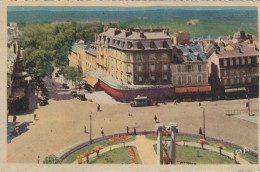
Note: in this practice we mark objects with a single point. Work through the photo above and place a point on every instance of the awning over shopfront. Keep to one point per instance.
(198, 89)
(91, 81)
(112, 91)
(232, 90)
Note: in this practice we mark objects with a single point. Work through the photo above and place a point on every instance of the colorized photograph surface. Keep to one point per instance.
(132, 85)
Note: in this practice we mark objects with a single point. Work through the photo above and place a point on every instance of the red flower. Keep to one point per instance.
(119, 138)
(132, 154)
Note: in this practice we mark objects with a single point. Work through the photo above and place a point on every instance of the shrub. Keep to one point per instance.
(51, 159)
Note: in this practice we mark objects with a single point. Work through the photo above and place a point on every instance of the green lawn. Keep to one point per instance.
(251, 159)
(105, 143)
(198, 155)
(119, 155)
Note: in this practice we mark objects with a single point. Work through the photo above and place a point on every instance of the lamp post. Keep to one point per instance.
(90, 130)
(204, 133)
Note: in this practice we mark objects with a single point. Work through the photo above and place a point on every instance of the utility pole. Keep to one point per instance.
(90, 130)
(204, 126)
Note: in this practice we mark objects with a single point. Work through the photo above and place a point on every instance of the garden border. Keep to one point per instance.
(61, 155)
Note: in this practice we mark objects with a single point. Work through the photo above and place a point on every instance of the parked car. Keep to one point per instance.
(140, 101)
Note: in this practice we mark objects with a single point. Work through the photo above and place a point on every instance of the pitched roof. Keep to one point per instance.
(241, 50)
(191, 52)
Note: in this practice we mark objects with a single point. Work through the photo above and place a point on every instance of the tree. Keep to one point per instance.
(86, 154)
(202, 142)
(220, 146)
(73, 74)
(51, 159)
(97, 149)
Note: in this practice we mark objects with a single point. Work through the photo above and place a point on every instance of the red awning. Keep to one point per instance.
(193, 89)
(111, 90)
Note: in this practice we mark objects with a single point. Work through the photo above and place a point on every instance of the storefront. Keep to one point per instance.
(193, 93)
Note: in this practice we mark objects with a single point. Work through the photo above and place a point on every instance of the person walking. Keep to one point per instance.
(98, 107)
(134, 131)
(102, 132)
(155, 118)
(14, 118)
(85, 129)
(127, 130)
(34, 116)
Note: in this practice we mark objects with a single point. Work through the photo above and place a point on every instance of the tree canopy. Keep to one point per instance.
(48, 45)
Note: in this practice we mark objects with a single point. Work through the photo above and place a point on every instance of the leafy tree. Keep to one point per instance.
(73, 74)
(51, 159)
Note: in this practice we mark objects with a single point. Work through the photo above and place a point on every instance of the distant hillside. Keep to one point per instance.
(227, 19)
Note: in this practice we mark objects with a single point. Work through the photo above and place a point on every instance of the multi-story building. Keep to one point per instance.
(83, 56)
(189, 72)
(234, 69)
(135, 57)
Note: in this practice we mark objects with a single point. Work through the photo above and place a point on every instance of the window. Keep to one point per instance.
(165, 76)
(237, 81)
(152, 45)
(188, 68)
(243, 60)
(225, 82)
(129, 44)
(199, 79)
(152, 56)
(164, 55)
(138, 56)
(114, 41)
(128, 57)
(165, 45)
(225, 73)
(249, 79)
(152, 67)
(140, 68)
(140, 79)
(165, 67)
(118, 42)
(179, 80)
(231, 62)
(128, 67)
(249, 60)
(237, 61)
(123, 43)
(189, 79)
(232, 81)
(243, 80)
(179, 68)
(153, 78)
(139, 45)
(225, 62)
(199, 68)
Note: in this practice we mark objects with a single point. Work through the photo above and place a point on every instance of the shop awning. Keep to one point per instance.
(91, 81)
(198, 89)
(232, 90)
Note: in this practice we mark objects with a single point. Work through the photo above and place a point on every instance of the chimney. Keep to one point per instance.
(117, 31)
(128, 33)
(141, 34)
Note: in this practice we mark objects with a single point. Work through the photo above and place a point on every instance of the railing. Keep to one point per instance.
(66, 152)
(241, 111)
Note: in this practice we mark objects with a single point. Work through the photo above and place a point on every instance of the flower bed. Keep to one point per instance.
(153, 135)
(119, 138)
(132, 154)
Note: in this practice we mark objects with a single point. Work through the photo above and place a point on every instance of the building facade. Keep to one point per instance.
(135, 57)
(234, 70)
(189, 72)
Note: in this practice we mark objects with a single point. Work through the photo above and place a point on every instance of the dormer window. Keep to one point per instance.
(152, 45)
(139, 45)
(129, 44)
(165, 45)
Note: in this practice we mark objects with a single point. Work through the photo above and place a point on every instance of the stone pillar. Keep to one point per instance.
(159, 148)
(173, 129)
(158, 130)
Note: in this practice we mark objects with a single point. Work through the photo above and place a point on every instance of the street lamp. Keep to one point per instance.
(90, 130)
(204, 134)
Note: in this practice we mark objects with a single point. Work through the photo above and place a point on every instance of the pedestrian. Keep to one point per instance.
(127, 130)
(102, 132)
(14, 118)
(155, 118)
(85, 129)
(134, 131)
(34, 116)
(200, 131)
(98, 107)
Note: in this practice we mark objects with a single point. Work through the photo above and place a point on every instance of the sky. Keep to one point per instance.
(100, 8)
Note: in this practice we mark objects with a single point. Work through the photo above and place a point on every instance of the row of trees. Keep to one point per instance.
(48, 45)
